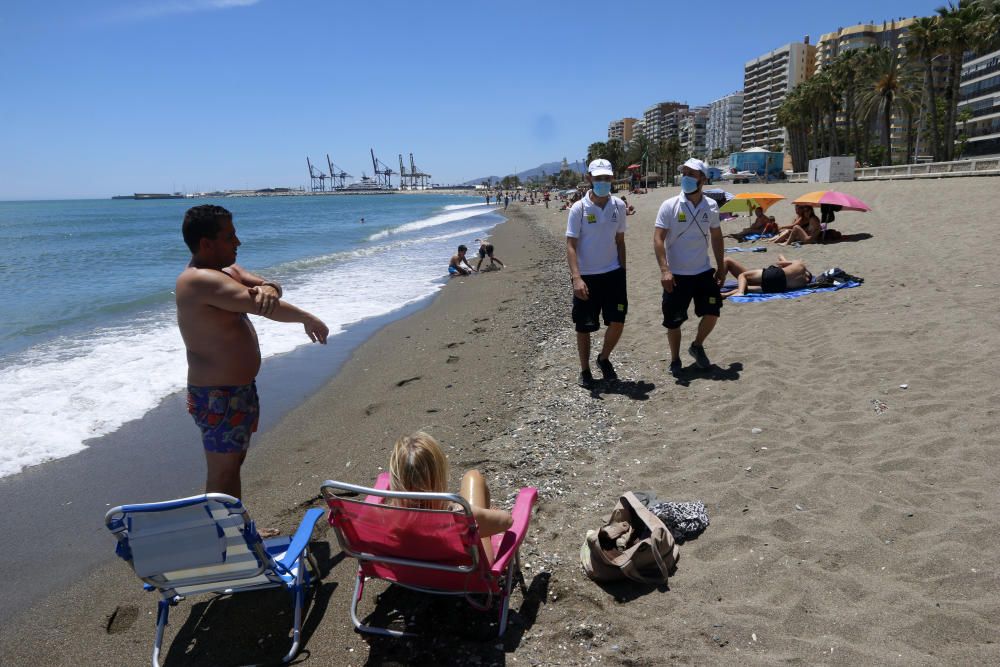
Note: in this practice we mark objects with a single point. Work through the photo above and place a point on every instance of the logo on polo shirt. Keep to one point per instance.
(591, 218)
(682, 217)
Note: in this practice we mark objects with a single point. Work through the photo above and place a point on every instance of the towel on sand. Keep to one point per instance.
(794, 294)
(756, 248)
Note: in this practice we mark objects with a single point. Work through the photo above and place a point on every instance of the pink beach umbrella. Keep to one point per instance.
(845, 201)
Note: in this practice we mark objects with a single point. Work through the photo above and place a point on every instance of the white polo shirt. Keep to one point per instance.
(688, 233)
(596, 228)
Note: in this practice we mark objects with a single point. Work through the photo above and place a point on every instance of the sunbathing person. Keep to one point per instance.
(805, 229)
(784, 276)
(418, 464)
(762, 224)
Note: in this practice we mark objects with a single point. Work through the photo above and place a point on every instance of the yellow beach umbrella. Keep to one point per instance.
(746, 202)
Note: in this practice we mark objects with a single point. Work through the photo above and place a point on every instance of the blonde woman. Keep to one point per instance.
(418, 464)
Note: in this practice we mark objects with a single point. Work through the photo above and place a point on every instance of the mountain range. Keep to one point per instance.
(548, 168)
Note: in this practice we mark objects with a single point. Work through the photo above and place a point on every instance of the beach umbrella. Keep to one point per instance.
(634, 166)
(845, 201)
(746, 202)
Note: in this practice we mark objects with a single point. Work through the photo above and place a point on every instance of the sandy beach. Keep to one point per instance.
(860, 525)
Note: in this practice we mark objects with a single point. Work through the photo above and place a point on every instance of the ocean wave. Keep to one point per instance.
(467, 211)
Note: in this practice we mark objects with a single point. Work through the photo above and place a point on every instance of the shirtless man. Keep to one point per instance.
(455, 264)
(214, 295)
(785, 276)
(805, 229)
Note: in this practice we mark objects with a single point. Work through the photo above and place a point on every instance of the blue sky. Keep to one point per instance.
(100, 97)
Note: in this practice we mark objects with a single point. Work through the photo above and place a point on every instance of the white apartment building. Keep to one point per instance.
(979, 105)
(661, 121)
(691, 132)
(767, 80)
(725, 122)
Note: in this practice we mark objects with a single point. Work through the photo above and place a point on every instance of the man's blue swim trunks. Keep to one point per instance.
(227, 416)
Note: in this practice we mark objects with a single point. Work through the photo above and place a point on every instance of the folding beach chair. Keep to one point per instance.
(432, 551)
(208, 544)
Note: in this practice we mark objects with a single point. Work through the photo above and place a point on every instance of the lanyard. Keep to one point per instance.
(694, 221)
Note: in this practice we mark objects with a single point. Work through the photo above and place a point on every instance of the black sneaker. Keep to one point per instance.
(607, 370)
(676, 367)
(586, 379)
(700, 358)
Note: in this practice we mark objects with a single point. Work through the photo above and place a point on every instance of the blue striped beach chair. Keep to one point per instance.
(208, 544)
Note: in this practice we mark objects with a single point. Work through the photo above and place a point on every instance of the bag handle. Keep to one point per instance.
(630, 570)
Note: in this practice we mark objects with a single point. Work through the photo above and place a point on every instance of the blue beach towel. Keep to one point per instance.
(757, 237)
(795, 294)
(756, 248)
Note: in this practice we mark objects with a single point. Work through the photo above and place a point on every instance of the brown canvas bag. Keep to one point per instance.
(634, 544)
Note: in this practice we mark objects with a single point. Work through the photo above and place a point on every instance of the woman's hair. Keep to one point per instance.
(418, 464)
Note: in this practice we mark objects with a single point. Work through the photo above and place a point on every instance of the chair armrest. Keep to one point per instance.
(301, 538)
(381, 484)
(521, 513)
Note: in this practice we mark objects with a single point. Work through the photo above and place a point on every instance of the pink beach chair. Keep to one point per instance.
(433, 551)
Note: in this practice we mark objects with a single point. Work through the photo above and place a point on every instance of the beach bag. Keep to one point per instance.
(634, 544)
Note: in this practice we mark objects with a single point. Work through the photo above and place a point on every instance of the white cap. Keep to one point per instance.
(697, 165)
(600, 167)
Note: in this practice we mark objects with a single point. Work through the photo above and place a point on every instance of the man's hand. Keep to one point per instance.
(265, 297)
(316, 330)
(667, 280)
(580, 290)
(720, 276)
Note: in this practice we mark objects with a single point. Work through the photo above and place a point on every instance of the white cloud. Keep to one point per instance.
(139, 11)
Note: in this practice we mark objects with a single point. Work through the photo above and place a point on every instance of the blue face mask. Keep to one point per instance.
(689, 184)
(602, 188)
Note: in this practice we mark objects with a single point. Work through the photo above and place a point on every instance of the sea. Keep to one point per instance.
(88, 332)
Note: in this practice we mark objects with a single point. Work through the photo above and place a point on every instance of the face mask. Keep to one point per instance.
(689, 184)
(602, 188)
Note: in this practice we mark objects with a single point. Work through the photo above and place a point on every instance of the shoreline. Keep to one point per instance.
(839, 534)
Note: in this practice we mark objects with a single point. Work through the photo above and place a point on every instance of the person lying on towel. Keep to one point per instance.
(784, 276)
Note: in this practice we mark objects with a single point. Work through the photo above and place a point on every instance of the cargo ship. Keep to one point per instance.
(151, 195)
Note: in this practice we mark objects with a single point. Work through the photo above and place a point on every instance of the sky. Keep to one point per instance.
(103, 97)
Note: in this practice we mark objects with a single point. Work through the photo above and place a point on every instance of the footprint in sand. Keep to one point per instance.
(454, 345)
(370, 410)
(403, 383)
(121, 619)
(452, 359)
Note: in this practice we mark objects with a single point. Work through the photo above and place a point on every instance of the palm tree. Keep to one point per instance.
(795, 116)
(878, 98)
(959, 31)
(909, 100)
(924, 42)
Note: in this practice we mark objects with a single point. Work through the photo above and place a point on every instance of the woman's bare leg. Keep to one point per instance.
(475, 491)
(733, 267)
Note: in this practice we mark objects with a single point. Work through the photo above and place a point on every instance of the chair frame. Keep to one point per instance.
(296, 554)
(498, 576)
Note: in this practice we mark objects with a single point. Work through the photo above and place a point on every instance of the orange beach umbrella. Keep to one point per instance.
(746, 202)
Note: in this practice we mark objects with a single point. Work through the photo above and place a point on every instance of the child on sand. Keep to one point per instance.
(455, 264)
(418, 464)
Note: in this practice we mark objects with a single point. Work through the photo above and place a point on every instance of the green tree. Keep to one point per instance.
(924, 44)
(878, 98)
(961, 31)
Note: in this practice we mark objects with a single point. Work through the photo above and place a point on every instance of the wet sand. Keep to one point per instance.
(840, 534)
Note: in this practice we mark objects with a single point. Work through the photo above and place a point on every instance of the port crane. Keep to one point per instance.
(338, 177)
(317, 179)
(383, 173)
(417, 178)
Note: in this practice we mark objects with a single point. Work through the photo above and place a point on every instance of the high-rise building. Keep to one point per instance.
(766, 82)
(979, 105)
(661, 121)
(725, 121)
(639, 128)
(888, 34)
(691, 131)
(622, 130)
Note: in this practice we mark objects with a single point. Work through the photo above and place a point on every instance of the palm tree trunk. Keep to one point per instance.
(887, 130)
(932, 93)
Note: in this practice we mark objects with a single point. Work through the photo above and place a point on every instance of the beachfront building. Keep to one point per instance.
(691, 132)
(662, 121)
(888, 34)
(622, 130)
(725, 120)
(767, 80)
(979, 105)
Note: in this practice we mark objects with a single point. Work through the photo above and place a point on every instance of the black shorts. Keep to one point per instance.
(485, 250)
(608, 296)
(702, 288)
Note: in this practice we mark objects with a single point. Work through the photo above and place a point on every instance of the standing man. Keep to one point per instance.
(595, 252)
(214, 295)
(684, 225)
